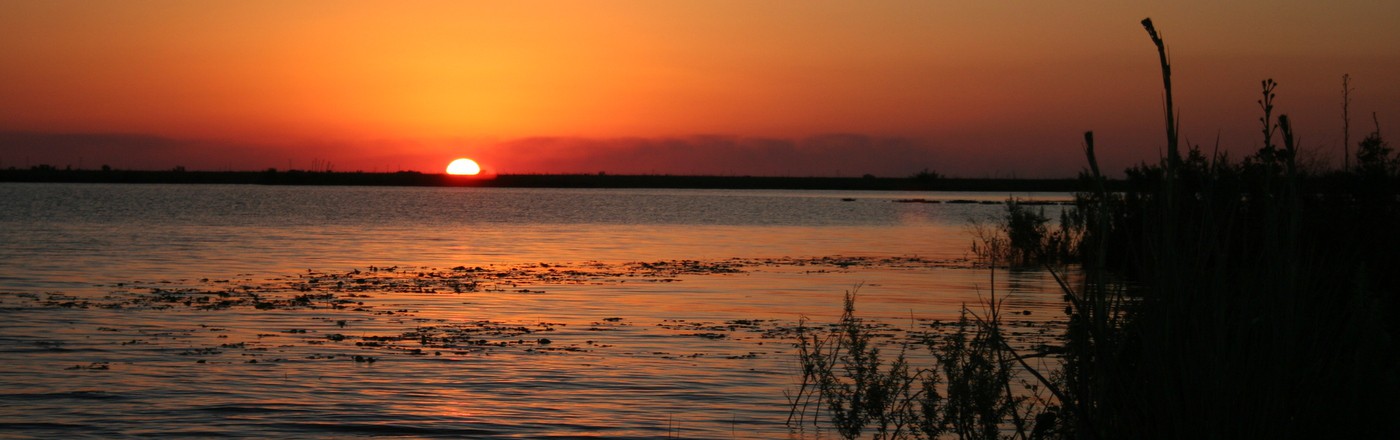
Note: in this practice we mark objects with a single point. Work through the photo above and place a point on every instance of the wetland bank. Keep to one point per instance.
(261, 311)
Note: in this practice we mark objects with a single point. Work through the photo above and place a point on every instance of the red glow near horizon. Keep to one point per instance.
(978, 88)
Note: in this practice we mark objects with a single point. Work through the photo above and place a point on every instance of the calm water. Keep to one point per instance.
(450, 312)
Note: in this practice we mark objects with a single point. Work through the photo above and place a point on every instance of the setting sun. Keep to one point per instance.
(463, 167)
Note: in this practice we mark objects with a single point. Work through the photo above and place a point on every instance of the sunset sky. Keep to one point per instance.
(833, 88)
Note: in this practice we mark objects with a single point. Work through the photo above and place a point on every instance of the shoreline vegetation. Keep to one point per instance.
(1214, 297)
(924, 181)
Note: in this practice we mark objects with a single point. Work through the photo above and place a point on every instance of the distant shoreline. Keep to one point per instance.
(411, 178)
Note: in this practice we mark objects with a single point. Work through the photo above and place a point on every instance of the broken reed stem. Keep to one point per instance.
(1169, 208)
(1173, 155)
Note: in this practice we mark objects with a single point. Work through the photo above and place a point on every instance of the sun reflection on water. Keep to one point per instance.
(366, 312)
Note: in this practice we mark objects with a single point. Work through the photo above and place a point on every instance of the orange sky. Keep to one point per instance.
(681, 87)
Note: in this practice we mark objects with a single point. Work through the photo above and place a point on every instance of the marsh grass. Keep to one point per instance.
(1256, 314)
(968, 389)
(1252, 309)
(1219, 299)
(1024, 237)
(844, 372)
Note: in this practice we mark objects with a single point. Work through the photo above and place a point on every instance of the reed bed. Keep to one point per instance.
(1219, 298)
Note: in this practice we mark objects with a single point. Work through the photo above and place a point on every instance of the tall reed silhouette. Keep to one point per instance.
(1218, 299)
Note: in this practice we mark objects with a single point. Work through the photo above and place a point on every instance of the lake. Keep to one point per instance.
(280, 311)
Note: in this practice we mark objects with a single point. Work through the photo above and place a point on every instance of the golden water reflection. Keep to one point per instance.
(701, 348)
(455, 312)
